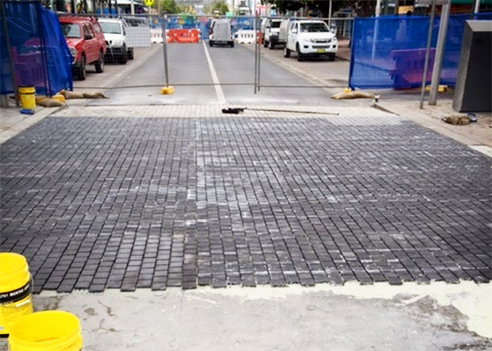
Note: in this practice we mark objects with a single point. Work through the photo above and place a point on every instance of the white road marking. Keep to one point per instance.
(218, 88)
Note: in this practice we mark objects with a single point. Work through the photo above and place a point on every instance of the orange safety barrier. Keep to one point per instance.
(183, 36)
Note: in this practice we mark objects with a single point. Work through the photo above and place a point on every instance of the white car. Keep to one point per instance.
(115, 34)
(310, 38)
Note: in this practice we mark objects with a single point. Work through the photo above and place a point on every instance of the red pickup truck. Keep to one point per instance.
(85, 39)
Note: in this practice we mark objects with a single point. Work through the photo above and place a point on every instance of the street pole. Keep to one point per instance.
(427, 52)
(132, 7)
(330, 8)
(441, 41)
(256, 45)
(164, 49)
(9, 52)
(477, 6)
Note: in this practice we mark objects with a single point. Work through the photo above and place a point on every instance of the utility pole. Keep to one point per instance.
(427, 52)
(441, 41)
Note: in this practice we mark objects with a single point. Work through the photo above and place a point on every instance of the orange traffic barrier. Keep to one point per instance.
(183, 36)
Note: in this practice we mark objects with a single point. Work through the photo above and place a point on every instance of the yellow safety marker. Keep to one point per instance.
(440, 88)
(167, 90)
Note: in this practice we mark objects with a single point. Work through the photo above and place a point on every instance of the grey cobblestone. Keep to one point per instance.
(130, 203)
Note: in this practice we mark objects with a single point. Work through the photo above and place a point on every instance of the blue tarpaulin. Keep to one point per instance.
(40, 54)
(389, 51)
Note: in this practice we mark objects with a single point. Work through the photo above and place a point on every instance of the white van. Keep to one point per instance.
(115, 35)
(271, 33)
(220, 32)
(310, 38)
(284, 27)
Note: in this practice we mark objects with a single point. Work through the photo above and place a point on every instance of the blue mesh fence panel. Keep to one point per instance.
(381, 46)
(39, 52)
(389, 51)
(483, 16)
(58, 56)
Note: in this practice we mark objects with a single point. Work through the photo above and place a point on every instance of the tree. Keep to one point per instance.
(221, 6)
(170, 7)
(287, 5)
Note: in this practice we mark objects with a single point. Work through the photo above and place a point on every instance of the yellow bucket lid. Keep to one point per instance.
(14, 271)
(46, 331)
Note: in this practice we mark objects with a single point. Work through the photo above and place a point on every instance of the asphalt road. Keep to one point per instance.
(217, 75)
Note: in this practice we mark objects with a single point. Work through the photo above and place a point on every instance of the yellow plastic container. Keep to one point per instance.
(46, 331)
(27, 98)
(15, 290)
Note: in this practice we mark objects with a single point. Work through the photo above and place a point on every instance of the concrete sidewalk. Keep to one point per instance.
(411, 317)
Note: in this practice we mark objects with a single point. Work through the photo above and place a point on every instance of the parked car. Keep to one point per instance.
(115, 35)
(86, 42)
(271, 35)
(220, 32)
(310, 38)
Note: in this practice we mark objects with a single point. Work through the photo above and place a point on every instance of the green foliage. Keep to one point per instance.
(170, 7)
(221, 6)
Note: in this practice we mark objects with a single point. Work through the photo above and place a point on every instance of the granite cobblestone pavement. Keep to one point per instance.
(127, 203)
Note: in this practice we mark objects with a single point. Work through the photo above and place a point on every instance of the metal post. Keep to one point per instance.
(44, 55)
(427, 52)
(330, 8)
(164, 49)
(259, 62)
(9, 51)
(477, 8)
(132, 7)
(375, 37)
(256, 49)
(441, 41)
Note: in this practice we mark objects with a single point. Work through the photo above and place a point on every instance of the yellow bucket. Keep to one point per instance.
(15, 290)
(27, 98)
(46, 331)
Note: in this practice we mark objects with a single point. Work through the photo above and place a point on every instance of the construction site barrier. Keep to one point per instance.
(247, 36)
(156, 36)
(183, 36)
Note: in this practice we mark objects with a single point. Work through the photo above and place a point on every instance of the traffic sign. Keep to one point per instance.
(148, 3)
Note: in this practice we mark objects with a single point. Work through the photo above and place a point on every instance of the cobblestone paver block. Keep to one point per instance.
(129, 203)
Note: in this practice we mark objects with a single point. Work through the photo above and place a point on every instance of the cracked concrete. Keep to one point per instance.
(428, 317)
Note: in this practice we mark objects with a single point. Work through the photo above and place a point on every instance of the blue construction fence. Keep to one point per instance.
(389, 51)
(40, 55)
